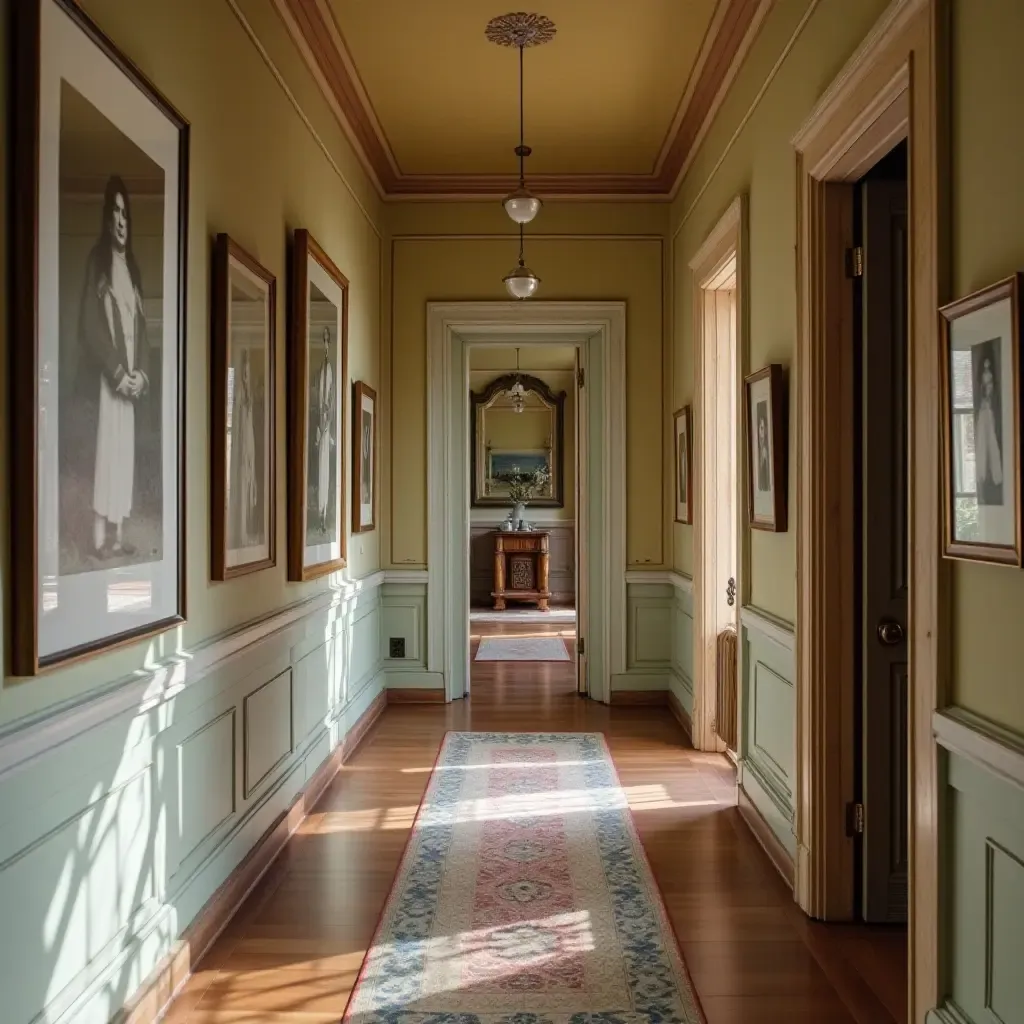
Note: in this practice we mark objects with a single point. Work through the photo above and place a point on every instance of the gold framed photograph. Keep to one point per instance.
(765, 402)
(317, 391)
(981, 429)
(682, 421)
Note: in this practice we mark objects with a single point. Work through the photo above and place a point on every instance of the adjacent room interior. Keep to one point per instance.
(524, 451)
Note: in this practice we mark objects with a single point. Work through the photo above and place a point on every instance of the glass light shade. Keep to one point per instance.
(522, 205)
(522, 282)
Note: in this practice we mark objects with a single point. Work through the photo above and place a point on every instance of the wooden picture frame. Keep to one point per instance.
(317, 463)
(765, 421)
(682, 432)
(243, 434)
(981, 425)
(364, 458)
(97, 348)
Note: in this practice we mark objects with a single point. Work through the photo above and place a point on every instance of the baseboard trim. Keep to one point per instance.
(156, 993)
(639, 698)
(415, 695)
(767, 839)
(681, 715)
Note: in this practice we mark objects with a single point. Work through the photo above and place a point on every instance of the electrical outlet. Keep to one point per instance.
(396, 647)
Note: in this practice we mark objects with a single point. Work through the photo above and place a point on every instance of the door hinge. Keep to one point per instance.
(580, 377)
(855, 261)
(581, 647)
(855, 819)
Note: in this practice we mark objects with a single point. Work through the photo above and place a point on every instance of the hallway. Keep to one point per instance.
(294, 951)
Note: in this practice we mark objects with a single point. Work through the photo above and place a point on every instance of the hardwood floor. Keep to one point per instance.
(293, 952)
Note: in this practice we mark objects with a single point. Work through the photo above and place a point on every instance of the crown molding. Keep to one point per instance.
(312, 27)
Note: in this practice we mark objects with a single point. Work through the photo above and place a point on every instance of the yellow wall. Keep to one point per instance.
(753, 154)
(453, 252)
(988, 240)
(257, 170)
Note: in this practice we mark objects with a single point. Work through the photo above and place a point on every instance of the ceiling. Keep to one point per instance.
(614, 104)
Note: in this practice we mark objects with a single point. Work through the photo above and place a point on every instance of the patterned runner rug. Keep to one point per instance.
(524, 897)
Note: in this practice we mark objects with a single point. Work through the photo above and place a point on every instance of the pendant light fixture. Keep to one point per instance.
(517, 393)
(520, 30)
(521, 282)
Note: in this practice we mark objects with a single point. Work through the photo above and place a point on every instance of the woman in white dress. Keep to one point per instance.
(986, 439)
(112, 328)
(246, 456)
(324, 432)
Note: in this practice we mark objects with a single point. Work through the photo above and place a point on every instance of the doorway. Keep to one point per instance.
(880, 278)
(717, 310)
(523, 496)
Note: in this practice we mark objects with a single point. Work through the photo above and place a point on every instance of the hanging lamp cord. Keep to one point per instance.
(522, 130)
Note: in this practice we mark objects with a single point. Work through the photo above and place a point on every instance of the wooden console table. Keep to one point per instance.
(521, 568)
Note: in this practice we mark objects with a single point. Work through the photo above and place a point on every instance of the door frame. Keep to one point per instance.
(894, 87)
(599, 328)
(727, 240)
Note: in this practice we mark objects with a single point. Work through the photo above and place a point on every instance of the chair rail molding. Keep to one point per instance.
(894, 86)
(599, 330)
(988, 745)
(768, 625)
(27, 738)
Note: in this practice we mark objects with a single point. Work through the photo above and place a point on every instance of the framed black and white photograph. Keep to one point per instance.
(317, 392)
(98, 410)
(683, 474)
(242, 441)
(981, 339)
(364, 457)
(765, 404)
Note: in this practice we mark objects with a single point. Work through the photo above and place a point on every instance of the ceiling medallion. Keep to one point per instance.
(520, 29)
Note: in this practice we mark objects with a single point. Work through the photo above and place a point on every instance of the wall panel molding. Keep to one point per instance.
(144, 690)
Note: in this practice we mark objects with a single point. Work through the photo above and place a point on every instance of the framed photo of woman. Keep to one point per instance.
(364, 457)
(683, 471)
(98, 414)
(317, 389)
(242, 440)
(981, 398)
(767, 483)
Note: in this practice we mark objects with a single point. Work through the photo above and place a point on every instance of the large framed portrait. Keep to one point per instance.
(98, 353)
(242, 439)
(364, 457)
(981, 397)
(681, 420)
(765, 401)
(317, 392)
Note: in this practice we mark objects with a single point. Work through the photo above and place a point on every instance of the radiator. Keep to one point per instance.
(725, 690)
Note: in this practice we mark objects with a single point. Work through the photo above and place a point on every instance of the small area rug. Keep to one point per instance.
(522, 648)
(523, 615)
(523, 897)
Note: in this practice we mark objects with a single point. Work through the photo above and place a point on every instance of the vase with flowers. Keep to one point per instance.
(522, 488)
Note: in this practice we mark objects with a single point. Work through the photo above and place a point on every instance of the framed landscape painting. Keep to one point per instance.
(98, 407)
(767, 484)
(981, 399)
(317, 391)
(364, 457)
(242, 439)
(683, 466)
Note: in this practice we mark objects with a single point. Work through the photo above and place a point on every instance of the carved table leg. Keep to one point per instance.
(499, 579)
(542, 579)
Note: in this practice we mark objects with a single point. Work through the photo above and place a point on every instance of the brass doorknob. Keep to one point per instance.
(890, 632)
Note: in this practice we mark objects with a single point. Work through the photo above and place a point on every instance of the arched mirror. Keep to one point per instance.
(517, 431)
